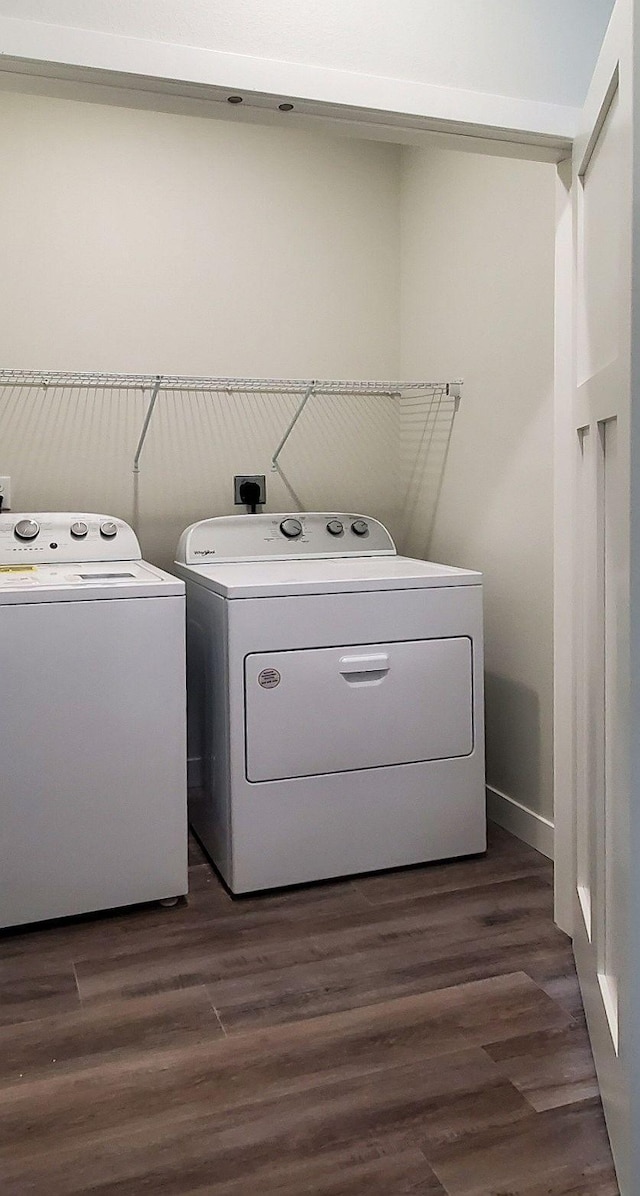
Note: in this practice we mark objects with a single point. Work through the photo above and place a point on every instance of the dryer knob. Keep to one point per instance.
(108, 529)
(334, 527)
(291, 528)
(360, 528)
(26, 529)
(79, 529)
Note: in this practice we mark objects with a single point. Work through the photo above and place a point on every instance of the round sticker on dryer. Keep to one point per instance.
(269, 678)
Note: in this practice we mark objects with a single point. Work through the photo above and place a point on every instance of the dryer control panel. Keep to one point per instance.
(280, 537)
(30, 538)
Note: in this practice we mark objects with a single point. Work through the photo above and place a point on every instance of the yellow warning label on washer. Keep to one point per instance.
(18, 568)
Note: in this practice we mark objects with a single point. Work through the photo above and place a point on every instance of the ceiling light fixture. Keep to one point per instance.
(285, 107)
(234, 99)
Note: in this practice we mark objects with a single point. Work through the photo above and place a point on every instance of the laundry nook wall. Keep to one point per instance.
(481, 295)
(138, 240)
(146, 241)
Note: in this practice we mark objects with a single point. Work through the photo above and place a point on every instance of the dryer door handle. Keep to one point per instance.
(365, 670)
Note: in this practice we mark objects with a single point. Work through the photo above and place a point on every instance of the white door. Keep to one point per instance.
(357, 707)
(602, 466)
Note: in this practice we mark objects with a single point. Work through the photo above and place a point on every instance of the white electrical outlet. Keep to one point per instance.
(5, 491)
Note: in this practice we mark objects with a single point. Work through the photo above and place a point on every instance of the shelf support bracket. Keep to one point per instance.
(147, 420)
(454, 390)
(300, 408)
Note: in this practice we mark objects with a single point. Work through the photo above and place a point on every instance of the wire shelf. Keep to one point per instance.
(112, 381)
(381, 443)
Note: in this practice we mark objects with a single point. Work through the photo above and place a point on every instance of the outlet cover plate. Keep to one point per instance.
(260, 480)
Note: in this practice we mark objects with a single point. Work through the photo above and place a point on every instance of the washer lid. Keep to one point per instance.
(338, 575)
(83, 581)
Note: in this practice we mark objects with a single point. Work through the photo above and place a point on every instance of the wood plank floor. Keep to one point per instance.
(419, 1031)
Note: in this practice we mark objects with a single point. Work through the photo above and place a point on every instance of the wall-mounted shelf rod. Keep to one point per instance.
(155, 383)
(95, 380)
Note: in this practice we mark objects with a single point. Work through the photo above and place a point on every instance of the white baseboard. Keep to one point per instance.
(525, 824)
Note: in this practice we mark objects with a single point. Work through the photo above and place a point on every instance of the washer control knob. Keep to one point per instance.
(26, 529)
(79, 529)
(108, 529)
(291, 528)
(334, 527)
(360, 528)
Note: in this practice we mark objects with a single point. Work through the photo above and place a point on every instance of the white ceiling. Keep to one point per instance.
(530, 49)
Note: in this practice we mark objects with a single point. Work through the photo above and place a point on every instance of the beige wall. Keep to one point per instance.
(477, 300)
(141, 241)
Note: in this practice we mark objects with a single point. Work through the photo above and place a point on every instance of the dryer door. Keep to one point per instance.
(326, 710)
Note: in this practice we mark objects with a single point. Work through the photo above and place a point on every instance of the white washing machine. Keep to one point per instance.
(335, 699)
(92, 722)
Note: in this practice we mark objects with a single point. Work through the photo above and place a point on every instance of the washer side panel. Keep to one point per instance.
(92, 756)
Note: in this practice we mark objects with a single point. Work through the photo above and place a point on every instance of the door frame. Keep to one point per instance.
(563, 522)
(616, 1046)
(564, 464)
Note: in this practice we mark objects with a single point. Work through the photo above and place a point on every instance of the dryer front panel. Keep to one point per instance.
(326, 710)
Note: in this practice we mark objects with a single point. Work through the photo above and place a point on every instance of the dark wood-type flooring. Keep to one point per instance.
(419, 1031)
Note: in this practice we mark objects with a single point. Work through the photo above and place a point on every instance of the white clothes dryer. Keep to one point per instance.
(92, 731)
(335, 699)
